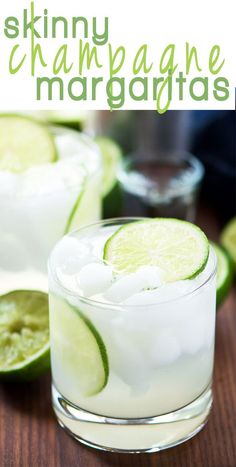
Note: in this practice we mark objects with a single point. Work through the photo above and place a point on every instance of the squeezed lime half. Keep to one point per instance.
(179, 248)
(24, 335)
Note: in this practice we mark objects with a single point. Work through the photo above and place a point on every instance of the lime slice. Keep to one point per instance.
(78, 347)
(24, 143)
(74, 219)
(228, 239)
(179, 248)
(112, 155)
(68, 117)
(24, 335)
(224, 277)
(75, 119)
(86, 208)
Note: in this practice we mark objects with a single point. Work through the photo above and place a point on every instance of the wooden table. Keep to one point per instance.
(30, 436)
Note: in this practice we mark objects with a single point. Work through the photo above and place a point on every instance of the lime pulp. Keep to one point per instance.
(24, 336)
(179, 248)
(24, 143)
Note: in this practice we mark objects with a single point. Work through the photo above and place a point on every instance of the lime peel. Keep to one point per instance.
(228, 239)
(79, 347)
(111, 158)
(224, 276)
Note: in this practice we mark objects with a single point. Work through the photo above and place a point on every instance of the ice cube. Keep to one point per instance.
(94, 278)
(98, 241)
(163, 293)
(51, 178)
(175, 290)
(123, 288)
(191, 332)
(146, 297)
(152, 276)
(130, 284)
(72, 254)
(129, 362)
(165, 349)
(39, 180)
(73, 173)
(68, 281)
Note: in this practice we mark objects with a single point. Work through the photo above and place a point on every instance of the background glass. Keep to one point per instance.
(161, 185)
(41, 208)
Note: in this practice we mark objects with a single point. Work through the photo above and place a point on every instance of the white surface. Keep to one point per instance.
(207, 24)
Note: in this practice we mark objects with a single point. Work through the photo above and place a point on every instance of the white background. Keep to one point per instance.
(202, 23)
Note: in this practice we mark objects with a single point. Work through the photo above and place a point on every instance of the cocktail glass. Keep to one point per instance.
(130, 375)
(42, 203)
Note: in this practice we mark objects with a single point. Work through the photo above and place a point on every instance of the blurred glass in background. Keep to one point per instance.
(163, 140)
(161, 185)
(168, 159)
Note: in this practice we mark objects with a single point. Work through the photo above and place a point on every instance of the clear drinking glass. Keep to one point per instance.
(132, 377)
(165, 185)
(42, 203)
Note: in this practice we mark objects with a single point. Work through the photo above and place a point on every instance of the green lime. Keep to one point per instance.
(228, 239)
(86, 207)
(75, 216)
(224, 277)
(111, 154)
(78, 346)
(75, 120)
(69, 118)
(24, 336)
(113, 202)
(179, 248)
(24, 143)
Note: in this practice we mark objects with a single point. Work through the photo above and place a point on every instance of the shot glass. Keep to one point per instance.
(165, 185)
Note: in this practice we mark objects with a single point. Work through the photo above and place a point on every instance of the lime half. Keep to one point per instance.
(228, 239)
(111, 154)
(78, 347)
(24, 335)
(224, 277)
(179, 248)
(24, 143)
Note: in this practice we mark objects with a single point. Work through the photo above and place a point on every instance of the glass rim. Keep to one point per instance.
(120, 306)
(164, 157)
(73, 187)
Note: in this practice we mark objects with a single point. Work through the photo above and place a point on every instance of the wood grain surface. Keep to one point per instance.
(30, 436)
